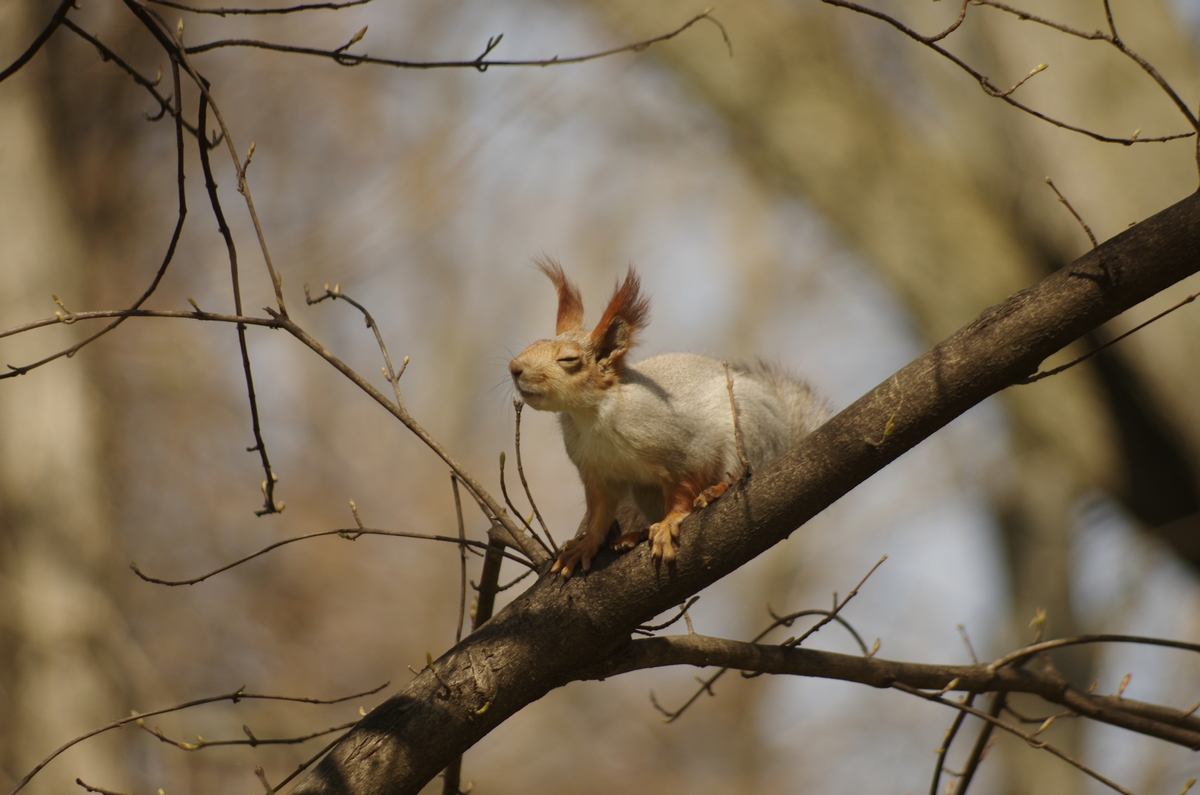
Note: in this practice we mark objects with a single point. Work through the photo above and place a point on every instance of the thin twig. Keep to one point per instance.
(1109, 344)
(517, 406)
(107, 54)
(305, 765)
(389, 372)
(236, 696)
(508, 501)
(962, 14)
(485, 605)
(251, 740)
(181, 199)
(966, 639)
(1113, 39)
(944, 748)
(479, 63)
(260, 444)
(1029, 738)
(60, 14)
(993, 90)
(257, 11)
(838, 608)
(486, 502)
(1020, 655)
(100, 790)
(1078, 218)
(737, 428)
(517, 538)
(71, 317)
(168, 38)
(462, 555)
(516, 580)
(683, 608)
(347, 534)
(1034, 71)
(982, 743)
(827, 616)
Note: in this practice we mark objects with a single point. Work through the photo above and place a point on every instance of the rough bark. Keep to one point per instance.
(555, 632)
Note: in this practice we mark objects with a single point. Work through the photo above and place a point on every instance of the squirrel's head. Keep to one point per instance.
(572, 371)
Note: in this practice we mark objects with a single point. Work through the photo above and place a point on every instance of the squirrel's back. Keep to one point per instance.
(671, 413)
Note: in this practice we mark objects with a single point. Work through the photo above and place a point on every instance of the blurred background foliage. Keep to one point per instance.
(833, 197)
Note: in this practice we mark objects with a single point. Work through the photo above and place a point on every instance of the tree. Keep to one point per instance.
(551, 635)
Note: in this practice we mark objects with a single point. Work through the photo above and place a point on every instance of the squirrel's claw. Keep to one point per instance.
(663, 536)
(712, 493)
(574, 552)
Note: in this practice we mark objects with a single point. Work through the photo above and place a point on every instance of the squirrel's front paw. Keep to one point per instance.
(663, 536)
(575, 551)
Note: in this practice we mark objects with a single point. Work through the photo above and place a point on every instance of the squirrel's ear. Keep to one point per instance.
(613, 342)
(570, 305)
(625, 316)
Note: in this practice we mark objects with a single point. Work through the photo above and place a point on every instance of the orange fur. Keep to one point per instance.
(679, 494)
(570, 304)
(627, 313)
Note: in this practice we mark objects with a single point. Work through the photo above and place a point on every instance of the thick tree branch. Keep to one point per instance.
(1164, 723)
(557, 632)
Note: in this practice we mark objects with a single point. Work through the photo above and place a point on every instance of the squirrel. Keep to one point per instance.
(662, 432)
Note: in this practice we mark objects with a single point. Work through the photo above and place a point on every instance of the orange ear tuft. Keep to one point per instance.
(570, 304)
(627, 313)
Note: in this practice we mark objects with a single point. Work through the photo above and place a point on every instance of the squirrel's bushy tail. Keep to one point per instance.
(803, 411)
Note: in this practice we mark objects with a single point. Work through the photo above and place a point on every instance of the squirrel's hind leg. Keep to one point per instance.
(713, 492)
(680, 497)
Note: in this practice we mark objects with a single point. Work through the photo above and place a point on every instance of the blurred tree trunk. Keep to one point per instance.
(59, 630)
(930, 180)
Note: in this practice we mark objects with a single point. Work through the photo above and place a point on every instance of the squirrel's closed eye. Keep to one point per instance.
(569, 360)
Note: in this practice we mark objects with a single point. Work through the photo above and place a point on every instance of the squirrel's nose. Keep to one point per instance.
(515, 368)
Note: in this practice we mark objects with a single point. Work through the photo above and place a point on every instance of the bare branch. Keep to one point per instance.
(838, 608)
(251, 740)
(1063, 200)
(236, 696)
(480, 63)
(60, 14)
(508, 501)
(994, 91)
(1021, 655)
(1109, 344)
(517, 538)
(162, 268)
(1165, 723)
(260, 444)
(151, 86)
(827, 616)
(683, 608)
(944, 748)
(1112, 38)
(517, 406)
(462, 556)
(101, 790)
(259, 11)
(737, 428)
(1029, 738)
(167, 37)
(350, 535)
